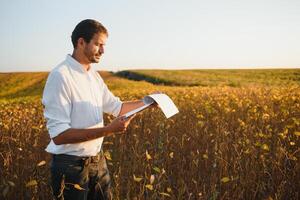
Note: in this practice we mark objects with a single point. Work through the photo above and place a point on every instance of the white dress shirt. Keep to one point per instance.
(76, 98)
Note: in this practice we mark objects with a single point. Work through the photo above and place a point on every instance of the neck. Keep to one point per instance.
(81, 59)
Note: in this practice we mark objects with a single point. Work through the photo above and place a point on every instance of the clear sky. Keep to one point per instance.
(35, 34)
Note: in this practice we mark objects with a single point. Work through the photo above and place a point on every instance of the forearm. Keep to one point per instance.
(72, 136)
(130, 105)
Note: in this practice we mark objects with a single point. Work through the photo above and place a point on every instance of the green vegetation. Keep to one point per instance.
(233, 78)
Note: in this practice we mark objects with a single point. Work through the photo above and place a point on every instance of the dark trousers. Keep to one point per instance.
(80, 178)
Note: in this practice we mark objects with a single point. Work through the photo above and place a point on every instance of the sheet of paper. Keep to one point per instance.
(165, 103)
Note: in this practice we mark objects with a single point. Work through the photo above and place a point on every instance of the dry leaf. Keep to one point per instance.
(137, 179)
(41, 163)
(31, 183)
(165, 194)
(148, 156)
(107, 155)
(156, 169)
(292, 143)
(169, 190)
(225, 179)
(10, 183)
(152, 178)
(78, 187)
(265, 147)
(149, 187)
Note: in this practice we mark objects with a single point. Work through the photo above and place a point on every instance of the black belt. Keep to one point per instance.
(79, 159)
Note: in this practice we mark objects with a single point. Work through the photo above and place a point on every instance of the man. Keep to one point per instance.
(74, 99)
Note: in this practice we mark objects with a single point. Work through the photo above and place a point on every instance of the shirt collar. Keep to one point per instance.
(76, 65)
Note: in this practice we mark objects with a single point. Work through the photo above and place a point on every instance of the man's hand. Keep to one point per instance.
(119, 124)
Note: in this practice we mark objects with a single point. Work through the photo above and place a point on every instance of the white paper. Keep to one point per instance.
(164, 101)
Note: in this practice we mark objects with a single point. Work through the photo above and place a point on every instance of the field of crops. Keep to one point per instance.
(239, 141)
(211, 77)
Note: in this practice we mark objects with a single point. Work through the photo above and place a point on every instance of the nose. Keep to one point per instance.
(101, 50)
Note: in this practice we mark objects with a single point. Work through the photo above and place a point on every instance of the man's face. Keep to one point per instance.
(95, 48)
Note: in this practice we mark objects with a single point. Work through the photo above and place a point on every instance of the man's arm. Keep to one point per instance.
(71, 135)
(120, 124)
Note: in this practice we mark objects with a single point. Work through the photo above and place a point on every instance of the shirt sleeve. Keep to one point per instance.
(57, 104)
(111, 104)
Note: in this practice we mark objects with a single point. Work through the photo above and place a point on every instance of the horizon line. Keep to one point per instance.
(171, 69)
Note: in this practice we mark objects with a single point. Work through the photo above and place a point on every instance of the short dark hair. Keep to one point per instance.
(86, 30)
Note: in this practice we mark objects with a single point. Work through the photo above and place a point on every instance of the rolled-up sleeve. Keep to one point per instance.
(57, 104)
(111, 104)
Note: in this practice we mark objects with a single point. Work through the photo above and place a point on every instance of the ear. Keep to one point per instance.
(81, 43)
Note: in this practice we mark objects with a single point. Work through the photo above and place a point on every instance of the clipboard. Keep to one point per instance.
(137, 110)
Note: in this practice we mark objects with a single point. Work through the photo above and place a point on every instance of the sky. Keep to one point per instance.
(156, 34)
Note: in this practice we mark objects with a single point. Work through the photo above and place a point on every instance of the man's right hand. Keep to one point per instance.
(120, 124)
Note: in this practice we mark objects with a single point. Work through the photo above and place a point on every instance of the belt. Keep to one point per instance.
(79, 159)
